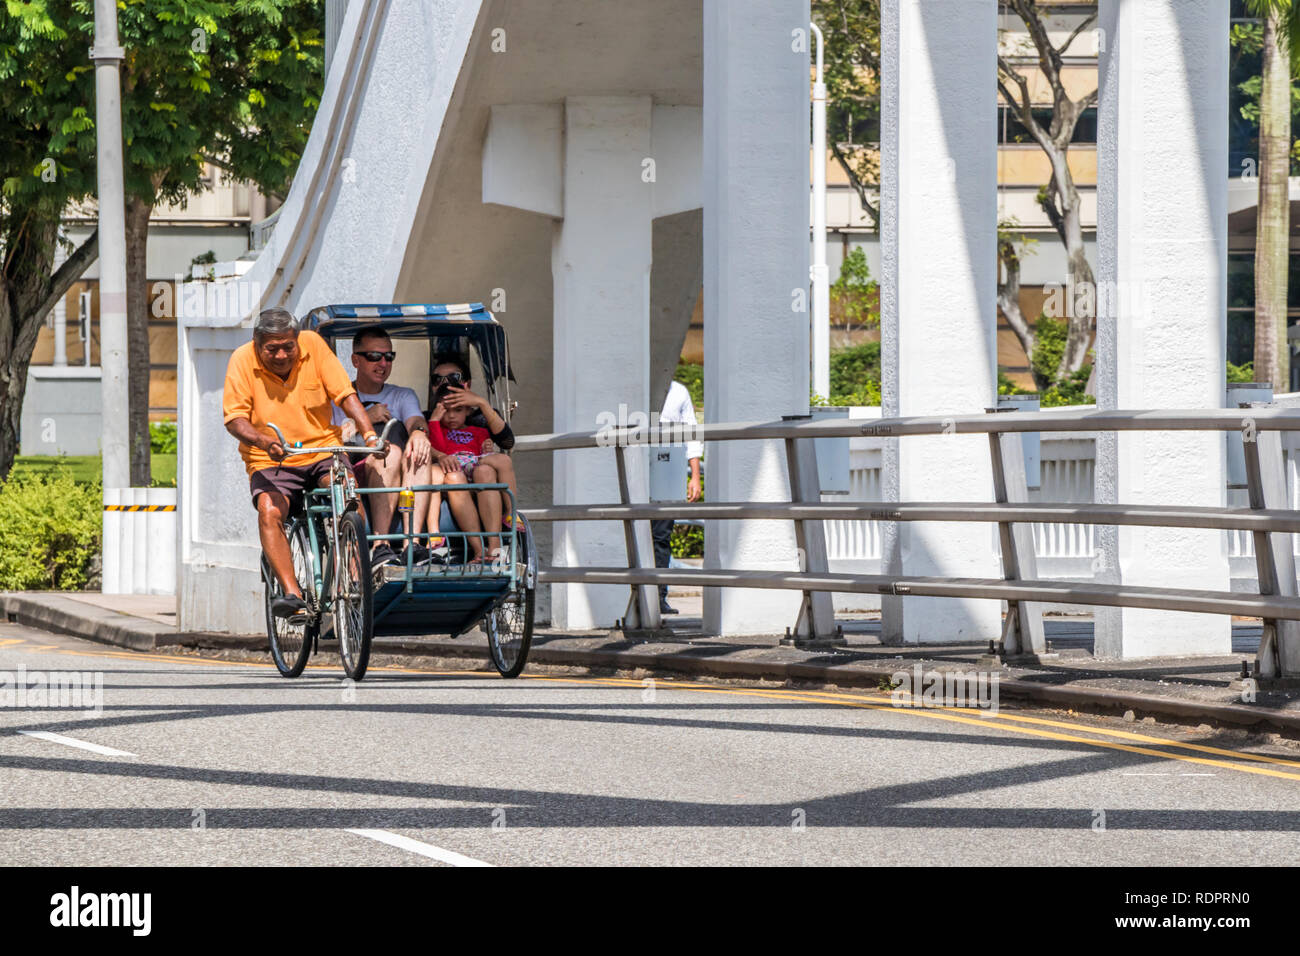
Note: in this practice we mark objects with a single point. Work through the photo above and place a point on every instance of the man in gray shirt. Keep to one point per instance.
(409, 455)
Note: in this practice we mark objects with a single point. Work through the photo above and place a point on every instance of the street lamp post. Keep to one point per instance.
(821, 312)
(107, 55)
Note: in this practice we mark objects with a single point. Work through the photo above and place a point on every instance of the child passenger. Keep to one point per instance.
(469, 448)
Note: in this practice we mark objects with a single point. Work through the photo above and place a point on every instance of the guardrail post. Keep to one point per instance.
(643, 604)
(1022, 632)
(1279, 645)
(816, 621)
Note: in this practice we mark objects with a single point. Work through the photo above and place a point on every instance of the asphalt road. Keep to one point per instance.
(211, 762)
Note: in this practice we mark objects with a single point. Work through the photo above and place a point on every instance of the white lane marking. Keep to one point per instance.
(415, 846)
(73, 742)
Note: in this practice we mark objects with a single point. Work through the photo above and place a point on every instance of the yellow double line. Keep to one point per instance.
(1010, 723)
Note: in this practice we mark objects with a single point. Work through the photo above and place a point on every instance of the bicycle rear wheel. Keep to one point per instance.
(354, 618)
(291, 644)
(509, 629)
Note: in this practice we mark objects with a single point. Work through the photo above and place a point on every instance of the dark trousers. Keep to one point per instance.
(662, 533)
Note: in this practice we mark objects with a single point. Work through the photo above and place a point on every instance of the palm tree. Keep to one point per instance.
(1273, 209)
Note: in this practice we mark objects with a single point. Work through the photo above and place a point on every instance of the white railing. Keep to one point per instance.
(1068, 467)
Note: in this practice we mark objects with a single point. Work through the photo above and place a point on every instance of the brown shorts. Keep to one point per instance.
(289, 480)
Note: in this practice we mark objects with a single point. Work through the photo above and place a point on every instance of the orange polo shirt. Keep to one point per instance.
(300, 406)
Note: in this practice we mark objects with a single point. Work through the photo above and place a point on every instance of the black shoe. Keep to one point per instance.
(665, 607)
(383, 554)
(294, 609)
(419, 555)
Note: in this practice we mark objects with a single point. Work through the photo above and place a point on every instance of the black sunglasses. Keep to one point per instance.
(376, 356)
(454, 378)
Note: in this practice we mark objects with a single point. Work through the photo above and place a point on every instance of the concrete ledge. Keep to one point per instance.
(62, 615)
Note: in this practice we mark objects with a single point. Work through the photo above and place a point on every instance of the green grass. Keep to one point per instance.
(87, 469)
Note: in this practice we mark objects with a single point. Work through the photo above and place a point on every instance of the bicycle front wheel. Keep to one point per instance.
(354, 620)
(291, 644)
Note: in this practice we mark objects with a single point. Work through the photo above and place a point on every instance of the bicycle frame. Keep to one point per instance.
(343, 497)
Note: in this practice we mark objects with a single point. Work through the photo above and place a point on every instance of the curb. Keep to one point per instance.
(64, 616)
(61, 615)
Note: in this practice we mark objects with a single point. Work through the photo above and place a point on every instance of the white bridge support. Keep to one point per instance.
(340, 237)
(590, 162)
(756, 329)
(1162, 241)
(938, 285)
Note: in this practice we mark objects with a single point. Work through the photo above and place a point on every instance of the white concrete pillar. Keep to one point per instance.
(938, 287)
(606, 167)
(110, 566)
(756, 318)
(601, 269)
(161, 529)
(126, 543)
(1161, 247)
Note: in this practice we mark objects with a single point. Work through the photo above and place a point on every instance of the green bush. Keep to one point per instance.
(162, 437)
(1072, 390)
(854, 368)
(1050, 335)
(856, 293)
(687, 541)
(50, 528)
(1008, 387)
(1241, 373)
(855, 376)
(692, 376)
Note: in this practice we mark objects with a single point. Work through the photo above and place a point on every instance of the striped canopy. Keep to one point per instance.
(450, 328)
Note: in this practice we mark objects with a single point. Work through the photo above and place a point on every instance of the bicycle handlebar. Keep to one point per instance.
(293, 451)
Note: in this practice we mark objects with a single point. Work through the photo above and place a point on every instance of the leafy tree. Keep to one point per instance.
(1012, 246)
(1279, 31)
(1058, 197)
(851, 29)
(856, 293)
(232, 82)
(47, 138)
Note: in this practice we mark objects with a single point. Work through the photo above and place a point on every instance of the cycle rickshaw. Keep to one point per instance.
(349, 601)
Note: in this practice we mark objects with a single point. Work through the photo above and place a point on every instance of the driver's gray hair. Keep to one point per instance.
(274, 322)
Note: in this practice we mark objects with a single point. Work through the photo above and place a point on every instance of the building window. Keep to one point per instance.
(1241, 310)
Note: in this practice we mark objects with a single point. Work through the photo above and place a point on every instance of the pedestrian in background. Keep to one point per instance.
(678, 409)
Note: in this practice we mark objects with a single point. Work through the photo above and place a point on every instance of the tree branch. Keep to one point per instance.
(1087, 21)
(1024, 109)
(1047, 202)
(72, 269)
(857, 184)
(1049, 60)
(1009, 296)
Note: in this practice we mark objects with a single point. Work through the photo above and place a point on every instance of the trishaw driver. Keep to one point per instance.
(293, 379)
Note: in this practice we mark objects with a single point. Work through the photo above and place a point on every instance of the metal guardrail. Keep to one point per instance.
(1268, 518)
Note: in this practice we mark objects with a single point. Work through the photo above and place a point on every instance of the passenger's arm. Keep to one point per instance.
(418, 449)
(353, 408)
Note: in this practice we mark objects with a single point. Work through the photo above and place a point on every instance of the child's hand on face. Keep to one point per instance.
(437, 413)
